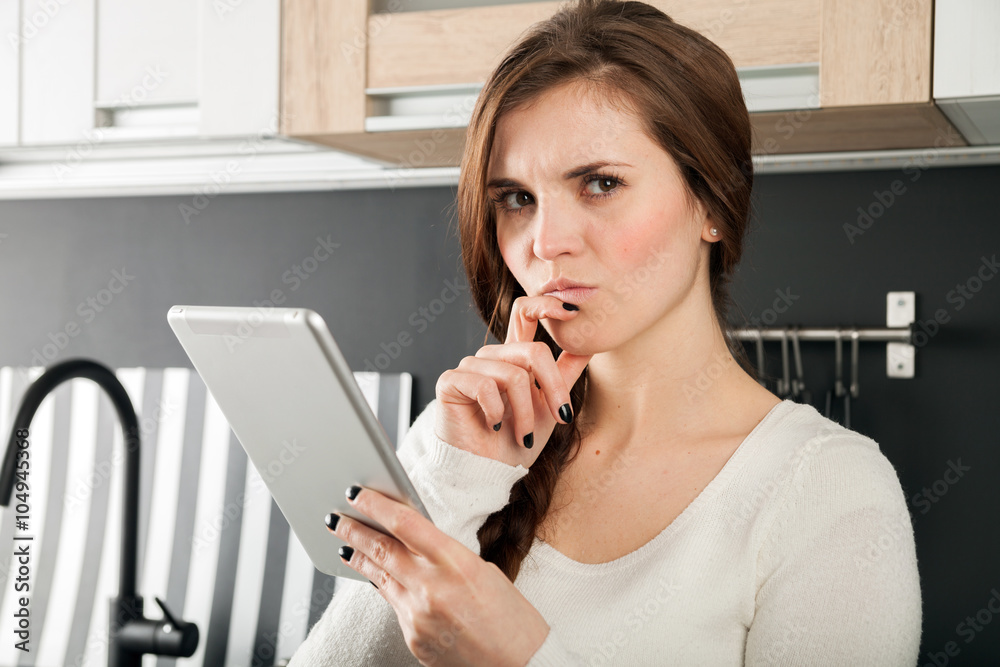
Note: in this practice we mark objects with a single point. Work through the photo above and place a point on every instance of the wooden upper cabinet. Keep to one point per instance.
(818, 75)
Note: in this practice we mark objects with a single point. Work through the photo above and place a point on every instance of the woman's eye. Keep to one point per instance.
(518, 199)
(604, 185)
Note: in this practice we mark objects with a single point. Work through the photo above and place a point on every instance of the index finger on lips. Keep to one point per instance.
(525, 313)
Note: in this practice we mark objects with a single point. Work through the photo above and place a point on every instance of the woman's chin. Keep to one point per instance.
(576, 340)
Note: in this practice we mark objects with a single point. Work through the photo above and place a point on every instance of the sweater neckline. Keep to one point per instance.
(549, 553)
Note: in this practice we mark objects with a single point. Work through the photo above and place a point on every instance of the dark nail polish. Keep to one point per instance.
(566, 413)
(331, 521)
(529, 440)
(372, 583)
(496, 427)
(346, 553)
(353, 492)
(570, 306)
(537, 385)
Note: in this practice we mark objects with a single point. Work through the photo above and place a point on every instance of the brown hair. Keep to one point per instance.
(685, 91)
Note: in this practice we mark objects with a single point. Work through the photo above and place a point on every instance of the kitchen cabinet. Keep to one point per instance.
(10, 94)
(120, 71)
(55, 45)
(818, 75)
(967, 66)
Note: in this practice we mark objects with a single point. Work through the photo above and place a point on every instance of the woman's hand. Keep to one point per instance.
(453, 607)
(497, 387)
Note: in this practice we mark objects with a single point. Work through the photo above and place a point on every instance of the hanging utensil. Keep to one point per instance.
(760, 358)
(799, 391)
(855, 337)
(838, 383)
(853, 393)
(784, 384)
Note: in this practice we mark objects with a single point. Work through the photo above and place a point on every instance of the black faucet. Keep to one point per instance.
(132, 634)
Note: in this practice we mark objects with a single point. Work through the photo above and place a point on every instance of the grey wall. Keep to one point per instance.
(397, 254)
(376, 265)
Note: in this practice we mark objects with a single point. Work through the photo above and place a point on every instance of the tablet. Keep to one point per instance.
(293, 403)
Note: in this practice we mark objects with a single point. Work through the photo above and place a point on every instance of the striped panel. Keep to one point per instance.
(212, 543)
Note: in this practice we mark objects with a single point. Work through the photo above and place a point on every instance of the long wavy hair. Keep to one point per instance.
(686, 93)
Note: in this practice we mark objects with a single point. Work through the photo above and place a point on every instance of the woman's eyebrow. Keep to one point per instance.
(571, 174)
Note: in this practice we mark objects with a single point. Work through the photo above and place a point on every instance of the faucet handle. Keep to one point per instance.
(175, 637)
(166, 612)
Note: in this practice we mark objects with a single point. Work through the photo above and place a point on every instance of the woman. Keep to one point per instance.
(614, 486)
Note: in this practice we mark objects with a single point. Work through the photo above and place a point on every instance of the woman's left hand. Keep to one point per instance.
(453, 607)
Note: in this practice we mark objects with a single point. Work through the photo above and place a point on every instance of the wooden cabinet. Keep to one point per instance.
(818, 75)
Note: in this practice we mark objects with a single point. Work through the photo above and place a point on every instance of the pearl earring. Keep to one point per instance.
(715, 232)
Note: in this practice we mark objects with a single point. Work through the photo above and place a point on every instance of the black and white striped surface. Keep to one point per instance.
(212, 543)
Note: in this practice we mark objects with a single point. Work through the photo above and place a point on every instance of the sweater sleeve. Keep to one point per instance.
(837, 575)
(460, 490)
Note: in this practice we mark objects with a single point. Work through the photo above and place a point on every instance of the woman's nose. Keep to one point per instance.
(556, 230)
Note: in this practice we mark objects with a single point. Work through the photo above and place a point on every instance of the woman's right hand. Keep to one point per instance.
(497, 385)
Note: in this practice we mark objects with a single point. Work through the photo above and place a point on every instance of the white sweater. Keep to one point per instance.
(800, 552)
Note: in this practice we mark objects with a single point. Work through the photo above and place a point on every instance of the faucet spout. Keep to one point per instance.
(126, 609)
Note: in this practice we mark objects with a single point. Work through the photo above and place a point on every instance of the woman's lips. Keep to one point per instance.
(574, 295)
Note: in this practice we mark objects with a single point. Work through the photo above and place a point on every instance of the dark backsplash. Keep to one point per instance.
(95, 277)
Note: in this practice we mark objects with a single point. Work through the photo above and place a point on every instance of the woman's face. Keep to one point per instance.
(624, 229)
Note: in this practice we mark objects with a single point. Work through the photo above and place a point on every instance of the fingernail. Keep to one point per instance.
(346, 553)
(331, 520)
(496, 427)
(529, 440)
(570, 306)
(353, 492)
(566, 413)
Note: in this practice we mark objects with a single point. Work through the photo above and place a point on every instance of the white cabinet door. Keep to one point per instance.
(967, 66)
(57, 71)
(240, 67)
(966, 48)
(10, 75)
(147, 52)
(147, 68)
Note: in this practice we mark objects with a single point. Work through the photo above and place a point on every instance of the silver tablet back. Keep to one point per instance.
(282, 383)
